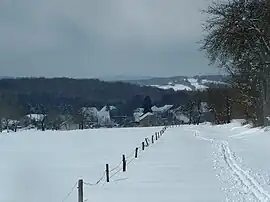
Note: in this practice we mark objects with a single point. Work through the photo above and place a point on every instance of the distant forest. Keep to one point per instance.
(22, 96)
(37, 94)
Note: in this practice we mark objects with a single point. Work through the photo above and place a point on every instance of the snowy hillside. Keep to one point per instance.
(188, 163)
(176, 87)
(189, 84)
(180, 83)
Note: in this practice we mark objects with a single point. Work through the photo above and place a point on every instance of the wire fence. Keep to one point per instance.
(68, 195)
(109, 174)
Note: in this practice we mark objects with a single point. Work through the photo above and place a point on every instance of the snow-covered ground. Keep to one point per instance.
(190, 84)
(206, 81)
(195, 83)
(188, 163)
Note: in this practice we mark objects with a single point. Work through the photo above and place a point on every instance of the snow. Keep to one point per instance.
(137, 116)
(161, 109)
(204, 107)
(182, 117)
(139, 110)
(194, 82)
(36, 117)
(175, 87)
(145, 115)
(110, 107)
(43, 166)
(188, 163)
(102, 116)
(206, 81)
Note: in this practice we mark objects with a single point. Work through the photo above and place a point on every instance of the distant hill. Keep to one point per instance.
(178, 83)
(64, 92)
(123, 78)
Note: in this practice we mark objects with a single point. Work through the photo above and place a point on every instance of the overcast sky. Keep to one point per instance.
(100, 38)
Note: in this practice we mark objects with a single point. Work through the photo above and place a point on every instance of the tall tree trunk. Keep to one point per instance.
(15, 127)
(265, 86)
(228, 110)
(43, 125)
(266, 104)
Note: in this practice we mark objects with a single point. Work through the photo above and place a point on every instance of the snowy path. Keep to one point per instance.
(176, 168)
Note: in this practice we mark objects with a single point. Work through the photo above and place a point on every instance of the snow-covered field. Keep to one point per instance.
(189, 85)
(188, 163)
(175, 87)
(194, 82)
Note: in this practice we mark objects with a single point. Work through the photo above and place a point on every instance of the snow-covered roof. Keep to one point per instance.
(161, 109)
(112, 107)
(137, 116)
(105, 108)
(145, 115)
(36, 117)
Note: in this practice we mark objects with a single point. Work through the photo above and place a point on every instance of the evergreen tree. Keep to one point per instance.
(147, 105)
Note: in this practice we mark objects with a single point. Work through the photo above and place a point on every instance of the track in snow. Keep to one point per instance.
(243, 176)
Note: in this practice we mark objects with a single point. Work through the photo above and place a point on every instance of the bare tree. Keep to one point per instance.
(79, 117)
(53, 119)
(10, 114)
(238, 40)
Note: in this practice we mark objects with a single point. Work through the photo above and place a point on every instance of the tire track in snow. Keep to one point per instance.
(243, 176)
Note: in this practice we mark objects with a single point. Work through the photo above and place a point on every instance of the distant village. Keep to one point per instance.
(107, 117)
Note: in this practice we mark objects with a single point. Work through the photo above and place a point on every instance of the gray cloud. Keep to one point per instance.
(95, 38)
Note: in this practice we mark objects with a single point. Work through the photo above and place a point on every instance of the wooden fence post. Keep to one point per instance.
(146, 141)
(152, 139)
(107, 173)
(136, 152)
(142, 145)
(80, 190)
(124, 163)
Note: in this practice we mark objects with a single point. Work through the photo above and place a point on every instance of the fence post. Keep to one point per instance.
(146, 141)
(80, 190)
(152, 139)
(136, 152)
(142, 145)
(124, 163)
(107, 173)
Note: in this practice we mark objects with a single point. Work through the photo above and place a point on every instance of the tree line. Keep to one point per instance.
(238, 40)
(62, 99)
(66, 96)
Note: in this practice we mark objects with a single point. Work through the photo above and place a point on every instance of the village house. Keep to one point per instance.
(148, 119)
(159, 116)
